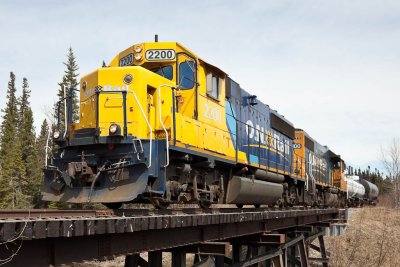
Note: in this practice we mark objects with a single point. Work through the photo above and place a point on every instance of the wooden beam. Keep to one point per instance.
(178, 259)
(155, 258)
(302, 253)
(205, 248)
(263, 239)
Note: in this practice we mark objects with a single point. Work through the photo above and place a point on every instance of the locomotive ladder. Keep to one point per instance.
(162, 124)
(150, 129)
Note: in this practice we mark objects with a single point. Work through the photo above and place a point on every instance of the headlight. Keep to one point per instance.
(138, 57)
(138, 49)
(56, 134)
(113, 128)
(128, 79)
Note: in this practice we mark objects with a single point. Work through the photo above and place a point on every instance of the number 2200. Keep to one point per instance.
(160, 54)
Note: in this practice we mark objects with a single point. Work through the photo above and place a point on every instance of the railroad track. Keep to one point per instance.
(26, 214)
(33, 214)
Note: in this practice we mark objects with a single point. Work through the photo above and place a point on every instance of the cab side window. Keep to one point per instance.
(336, 165)
(165, 71)
(186, 74)
(213, 85)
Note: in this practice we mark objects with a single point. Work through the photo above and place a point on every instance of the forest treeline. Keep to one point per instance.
(375, 176)
(23, 149)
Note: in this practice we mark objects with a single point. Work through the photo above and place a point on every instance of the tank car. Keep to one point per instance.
(371, 192)
(360, 191)
(355, 190)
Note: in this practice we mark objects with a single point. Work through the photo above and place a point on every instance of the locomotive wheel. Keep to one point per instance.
(114, 205)
(320, 200)
(293, 196)
(158, 203)
(205, 204)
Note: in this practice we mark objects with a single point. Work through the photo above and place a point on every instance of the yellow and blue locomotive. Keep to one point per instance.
(160, 125)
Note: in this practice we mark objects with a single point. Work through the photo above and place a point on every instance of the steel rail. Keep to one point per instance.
(51, 213)
(29, 214)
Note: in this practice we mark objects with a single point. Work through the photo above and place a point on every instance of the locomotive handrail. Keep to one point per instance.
(65, 112)
(268, 140)
(47, 149)
(114, 98)
(235, 134)
(67, 116)
(162, 124)
(284, 153)
(259, 149)
(145, 118)
(148, 124)
(59, 114)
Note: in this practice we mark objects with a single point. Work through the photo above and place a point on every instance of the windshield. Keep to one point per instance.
(186, 74)
(165, 71)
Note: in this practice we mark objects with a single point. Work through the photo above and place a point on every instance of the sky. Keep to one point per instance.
(330, 67)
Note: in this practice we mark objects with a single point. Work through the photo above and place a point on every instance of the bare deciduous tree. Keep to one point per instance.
(391, 162)
(49, 112)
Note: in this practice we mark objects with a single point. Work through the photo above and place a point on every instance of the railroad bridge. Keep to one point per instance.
(216, 237)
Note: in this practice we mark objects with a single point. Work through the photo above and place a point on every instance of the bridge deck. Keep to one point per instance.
(45, 240)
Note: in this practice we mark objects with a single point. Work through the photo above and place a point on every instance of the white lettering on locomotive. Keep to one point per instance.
(89, 92)
(108, 87)
(259, 134)
(212, 113)
(250, 129)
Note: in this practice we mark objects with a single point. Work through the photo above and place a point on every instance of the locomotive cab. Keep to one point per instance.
(170, 60)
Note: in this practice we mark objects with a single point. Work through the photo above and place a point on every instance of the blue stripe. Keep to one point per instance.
(254, 159)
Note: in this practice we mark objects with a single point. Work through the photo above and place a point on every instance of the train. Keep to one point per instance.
(160, 125)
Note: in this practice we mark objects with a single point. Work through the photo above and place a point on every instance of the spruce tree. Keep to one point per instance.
(41, 143)
(10, 112)
(69, 80)
(27, 139)
(13, 179)
(26, 131)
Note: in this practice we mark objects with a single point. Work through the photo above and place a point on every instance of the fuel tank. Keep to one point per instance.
(269, 176)
(242, 190)
(331, 199)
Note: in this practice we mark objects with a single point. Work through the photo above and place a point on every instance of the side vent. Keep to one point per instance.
(232, 88)
(228, 92)
(282, 126)
(309, 143)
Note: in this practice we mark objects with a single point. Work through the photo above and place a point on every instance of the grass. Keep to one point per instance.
(371, 239)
